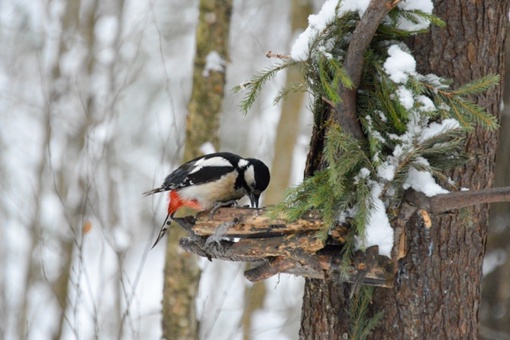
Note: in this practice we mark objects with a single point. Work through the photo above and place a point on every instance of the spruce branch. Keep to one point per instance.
(289, 89)
(478, 86)
(475, 113)
(361, 325)
(254, 86)
(465, 111)
(414, 16)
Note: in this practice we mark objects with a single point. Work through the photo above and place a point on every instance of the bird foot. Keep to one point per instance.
(219, 234)
(221, 205)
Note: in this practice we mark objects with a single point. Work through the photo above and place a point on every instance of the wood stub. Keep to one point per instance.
(249, 235)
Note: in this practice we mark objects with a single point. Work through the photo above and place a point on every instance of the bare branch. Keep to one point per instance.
(361, 38)
(456, 200)
(270, 54)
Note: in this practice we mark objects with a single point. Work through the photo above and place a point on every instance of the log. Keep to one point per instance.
(277, 246)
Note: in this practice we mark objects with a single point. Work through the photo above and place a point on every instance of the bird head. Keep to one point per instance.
(257, 178)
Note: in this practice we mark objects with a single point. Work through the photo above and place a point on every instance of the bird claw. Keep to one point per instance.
(221, 205)
(219, 234)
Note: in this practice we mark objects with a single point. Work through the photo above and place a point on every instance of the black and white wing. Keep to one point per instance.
(200, 170)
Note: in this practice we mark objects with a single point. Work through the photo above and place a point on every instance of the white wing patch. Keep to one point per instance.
(242, 163)
(213, 161)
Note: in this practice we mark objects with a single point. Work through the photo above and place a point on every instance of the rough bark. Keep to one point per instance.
(437, 286)
(181, 271)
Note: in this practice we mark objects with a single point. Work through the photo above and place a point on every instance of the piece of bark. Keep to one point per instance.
(254, 223)
(279, 246)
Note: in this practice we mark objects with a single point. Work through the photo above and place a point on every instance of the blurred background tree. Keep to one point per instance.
(495, 306)
(202, 122)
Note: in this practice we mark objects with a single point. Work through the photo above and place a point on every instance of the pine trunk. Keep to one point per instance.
(437, 286)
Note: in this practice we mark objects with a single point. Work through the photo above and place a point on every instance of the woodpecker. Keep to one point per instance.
(211, 181)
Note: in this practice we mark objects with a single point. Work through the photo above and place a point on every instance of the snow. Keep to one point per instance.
(318, 22)
(434, 128)
(493, 259)
(381, 115)
(387, 169)
(425, 6)
(332, 8)
(399, 65)
(423, 181)
(421, 5)
(405, 97)
(213, 62)
(378, 231)
(207, 148)
(364, 173)
(418, 131)
(426, 104)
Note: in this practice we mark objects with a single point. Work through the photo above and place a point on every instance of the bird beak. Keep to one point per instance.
(254, 199)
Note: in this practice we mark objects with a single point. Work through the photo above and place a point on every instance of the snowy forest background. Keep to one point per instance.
(93, 102)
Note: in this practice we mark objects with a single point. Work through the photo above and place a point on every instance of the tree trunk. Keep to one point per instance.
(437, 287)
(209, 76)
(181, 270)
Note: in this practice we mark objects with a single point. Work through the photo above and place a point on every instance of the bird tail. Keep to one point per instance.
(163, 230)
(153, 191)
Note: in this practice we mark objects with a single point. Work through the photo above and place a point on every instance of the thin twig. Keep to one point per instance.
(270, 54)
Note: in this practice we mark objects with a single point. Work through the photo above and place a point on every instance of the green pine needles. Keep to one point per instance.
(415, 127)
(360, 324)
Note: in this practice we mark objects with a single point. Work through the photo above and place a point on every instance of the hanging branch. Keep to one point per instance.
(361, 37)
